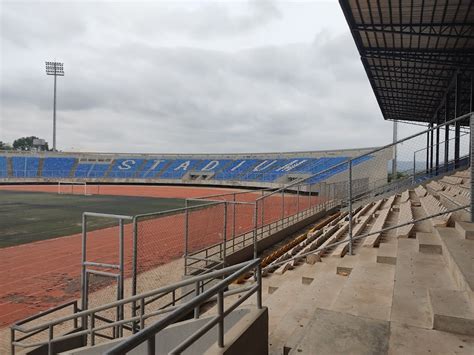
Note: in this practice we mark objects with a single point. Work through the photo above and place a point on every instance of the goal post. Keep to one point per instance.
(72, 188)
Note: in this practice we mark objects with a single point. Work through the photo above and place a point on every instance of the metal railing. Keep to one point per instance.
(148, 334)
(85, 321)
(365, 235)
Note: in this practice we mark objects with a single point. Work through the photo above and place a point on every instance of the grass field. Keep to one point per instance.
(31, 216)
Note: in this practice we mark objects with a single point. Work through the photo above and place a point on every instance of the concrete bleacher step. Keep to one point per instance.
(457, 253)
(465, 229)
(428, 243)
(451, 311)
(331, 332)
(415, 273)
(387, 253)
(292, 304)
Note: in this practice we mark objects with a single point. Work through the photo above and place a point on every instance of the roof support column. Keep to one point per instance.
(437, 143)
(446, 132)
(431, 148)
(428, 149)
(457, 125)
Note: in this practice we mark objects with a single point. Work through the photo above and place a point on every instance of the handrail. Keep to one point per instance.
(364, 236)
(148, 334)
(165, 289)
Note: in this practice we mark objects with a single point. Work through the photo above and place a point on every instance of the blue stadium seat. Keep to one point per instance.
(3, 167)
(272, 171)
(125, 168)
(178, 168)
(151, 168)
(24, 167)
(57, 167)
(236, 169)
(91, 170)
(211, 165)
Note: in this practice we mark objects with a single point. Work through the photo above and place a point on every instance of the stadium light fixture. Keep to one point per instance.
(56, 69)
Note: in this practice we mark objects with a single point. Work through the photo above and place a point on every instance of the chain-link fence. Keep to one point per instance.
(211, 228)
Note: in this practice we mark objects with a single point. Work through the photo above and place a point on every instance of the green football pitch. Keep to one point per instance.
(31, 216)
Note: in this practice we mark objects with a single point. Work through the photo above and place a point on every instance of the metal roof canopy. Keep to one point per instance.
(418, 55)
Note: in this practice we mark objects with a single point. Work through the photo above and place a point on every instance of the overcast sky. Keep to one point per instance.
(186, 76)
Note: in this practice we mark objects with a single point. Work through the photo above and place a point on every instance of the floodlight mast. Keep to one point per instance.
(56, 69)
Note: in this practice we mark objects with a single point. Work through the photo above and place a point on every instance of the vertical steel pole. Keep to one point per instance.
(437, 146)
(54, 110)
(233, 220)
(220, 312)
(121, 276)
(282, 205)
(350, 207)
(186, 236)
(259, 283)
(431, 148)
(414, 166)
(457, 124)
(255, 230)
(394, 139)
(83, 262)
(446, 132)
(134, 269)
(298, 200)
(471, 124)
(428, 150)
(150, 344)
(225, 235)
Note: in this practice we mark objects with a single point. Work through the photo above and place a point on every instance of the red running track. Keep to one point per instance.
(40, 275)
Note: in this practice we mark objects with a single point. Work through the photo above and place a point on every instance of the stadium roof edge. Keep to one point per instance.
(417, 54)
(197, 155)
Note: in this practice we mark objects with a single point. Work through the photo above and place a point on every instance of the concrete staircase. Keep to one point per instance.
(411, 295)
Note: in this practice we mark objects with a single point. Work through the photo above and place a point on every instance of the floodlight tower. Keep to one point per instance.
(56, 69)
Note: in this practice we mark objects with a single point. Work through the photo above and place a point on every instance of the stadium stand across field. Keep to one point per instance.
(253, 170)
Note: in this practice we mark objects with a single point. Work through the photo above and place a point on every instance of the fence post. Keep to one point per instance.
(298, 200)
(120, 292)
(471, 125)
(225, 234)
(233, 219)
(186, 236)
(309, 194)
(83, 266)
(350, 207)
(414, 166)
(282, 205)
(134, 269)
(255, 230)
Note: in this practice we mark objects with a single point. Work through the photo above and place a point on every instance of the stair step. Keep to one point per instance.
(387, 254)
(428, 243)
(331, 332)
(457, 253)
(465, 229)
(451, 311)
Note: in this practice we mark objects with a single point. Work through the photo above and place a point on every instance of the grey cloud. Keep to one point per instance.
(136, 96)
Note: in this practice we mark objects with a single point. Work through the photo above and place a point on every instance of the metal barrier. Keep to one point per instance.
(85, 321)
(148, 334)
(365, 235)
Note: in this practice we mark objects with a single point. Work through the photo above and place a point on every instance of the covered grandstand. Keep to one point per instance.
(380, 263)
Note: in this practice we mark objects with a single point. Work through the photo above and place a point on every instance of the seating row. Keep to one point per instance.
(264, 170)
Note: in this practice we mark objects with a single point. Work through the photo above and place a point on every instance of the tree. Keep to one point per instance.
(26, 143)
(5, 146)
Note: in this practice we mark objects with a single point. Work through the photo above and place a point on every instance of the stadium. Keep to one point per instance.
(353, 250)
